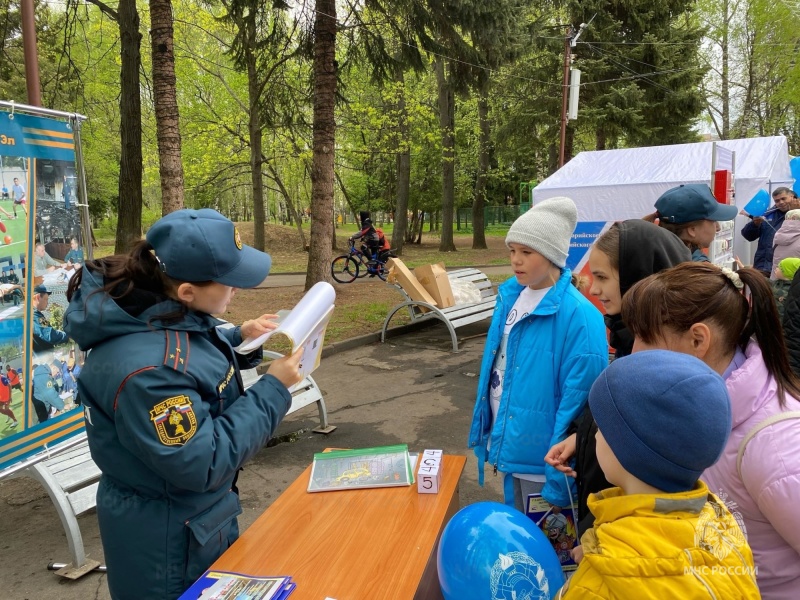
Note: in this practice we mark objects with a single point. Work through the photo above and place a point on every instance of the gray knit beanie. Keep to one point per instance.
(546, 228)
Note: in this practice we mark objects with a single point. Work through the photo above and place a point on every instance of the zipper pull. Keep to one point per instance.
(495, 470)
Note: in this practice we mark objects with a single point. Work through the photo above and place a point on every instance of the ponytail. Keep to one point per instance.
(121, 274)
(764, 325)
(741, 305)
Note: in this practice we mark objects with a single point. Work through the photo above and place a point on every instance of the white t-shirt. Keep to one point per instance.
(526, 303)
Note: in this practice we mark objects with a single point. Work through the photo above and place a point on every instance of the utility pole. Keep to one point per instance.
(565, 94)
(570, 41)
(30, 53)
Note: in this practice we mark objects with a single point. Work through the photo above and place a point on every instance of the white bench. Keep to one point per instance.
(453, 316)
(70, 476)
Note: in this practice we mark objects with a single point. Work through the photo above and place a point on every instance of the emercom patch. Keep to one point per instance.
(174, 420)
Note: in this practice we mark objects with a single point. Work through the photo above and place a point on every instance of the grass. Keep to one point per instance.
(360, 307)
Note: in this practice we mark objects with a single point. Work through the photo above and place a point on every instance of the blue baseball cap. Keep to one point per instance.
(692, 202)
(202, 245)
(41, 289)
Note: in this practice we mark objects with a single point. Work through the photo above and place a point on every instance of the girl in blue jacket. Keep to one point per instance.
(545, 347)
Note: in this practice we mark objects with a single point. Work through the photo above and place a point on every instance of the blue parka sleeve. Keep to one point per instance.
(49, 335)
(586, 355)
(234, 337)
(751, 231)
(213, 448)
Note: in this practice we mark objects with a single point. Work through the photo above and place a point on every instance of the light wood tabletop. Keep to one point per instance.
(368, 544)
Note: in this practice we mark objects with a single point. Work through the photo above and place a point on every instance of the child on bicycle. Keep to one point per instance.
(371, 242)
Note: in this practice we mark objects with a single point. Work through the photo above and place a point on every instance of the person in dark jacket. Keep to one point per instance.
(168, 420)
(369, 236)
(45, 336)
(46, 390)
(691, 212)
(763, 228)
(791, 324)
(625, 254)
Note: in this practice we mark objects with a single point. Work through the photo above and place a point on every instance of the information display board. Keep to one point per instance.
(43, 242)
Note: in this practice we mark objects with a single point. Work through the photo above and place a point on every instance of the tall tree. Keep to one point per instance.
(642, 73)
(324, 140)
(129, 209)
(261, 45)
(165, 101)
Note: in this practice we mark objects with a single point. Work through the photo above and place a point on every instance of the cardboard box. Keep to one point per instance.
(436, 282)
(400, 273)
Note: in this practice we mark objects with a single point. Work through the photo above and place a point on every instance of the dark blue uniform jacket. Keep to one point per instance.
(169, 424)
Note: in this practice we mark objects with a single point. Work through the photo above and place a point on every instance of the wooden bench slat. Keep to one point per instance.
(84, 499)
(452, 316)
(78, 476)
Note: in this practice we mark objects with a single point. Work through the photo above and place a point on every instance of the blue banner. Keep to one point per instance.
(36, 137)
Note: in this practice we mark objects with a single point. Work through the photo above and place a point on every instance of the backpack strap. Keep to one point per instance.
(785, 416)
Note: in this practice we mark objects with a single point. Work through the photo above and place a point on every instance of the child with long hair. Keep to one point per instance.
(626, 253)
(545, 347)
(729, 320)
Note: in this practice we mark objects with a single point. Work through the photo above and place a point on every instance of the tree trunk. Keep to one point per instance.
(289, 204)
(484, 149)
(403, 171)
(324, 138)
(421, 225)
(724, 88)
(129, 212)
(447, 125)
(256, 139)
(165, 100)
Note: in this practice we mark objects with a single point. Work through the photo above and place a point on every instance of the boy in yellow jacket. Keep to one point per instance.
(663, 418)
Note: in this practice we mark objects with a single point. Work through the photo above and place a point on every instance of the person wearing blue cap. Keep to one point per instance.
(663, 418)
(691, 212)
(45, 336)
(168, 420)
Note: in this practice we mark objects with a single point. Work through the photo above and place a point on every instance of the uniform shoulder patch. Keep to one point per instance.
(174, 420)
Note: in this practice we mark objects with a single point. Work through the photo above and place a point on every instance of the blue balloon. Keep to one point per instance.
(758, 204)
(490, 551)
(794, 165)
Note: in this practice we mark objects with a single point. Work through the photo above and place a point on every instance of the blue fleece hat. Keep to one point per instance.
(202, 245)
(665, 415)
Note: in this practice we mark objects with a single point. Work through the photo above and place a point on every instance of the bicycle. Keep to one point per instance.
(348, 267)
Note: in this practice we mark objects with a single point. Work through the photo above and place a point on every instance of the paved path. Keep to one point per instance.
(410, 390)
(292, 279)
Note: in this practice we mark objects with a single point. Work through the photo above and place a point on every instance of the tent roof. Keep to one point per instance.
(764, 158)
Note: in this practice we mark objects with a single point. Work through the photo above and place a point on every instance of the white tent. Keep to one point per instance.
(613, 185)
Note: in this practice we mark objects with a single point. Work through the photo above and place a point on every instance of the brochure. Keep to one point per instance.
(223, 585)
(304, 325)
(385, 466)
(558, 524)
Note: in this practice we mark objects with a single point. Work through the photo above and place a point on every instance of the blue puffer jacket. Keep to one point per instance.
(553, 357)
(169, 424)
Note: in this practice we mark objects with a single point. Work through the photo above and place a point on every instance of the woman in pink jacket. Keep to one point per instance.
(786, 243)
(729, 320)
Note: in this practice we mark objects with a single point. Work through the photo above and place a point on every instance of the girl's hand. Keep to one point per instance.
(256, 327)
(559, 455)
(577, 554)
(286, 369)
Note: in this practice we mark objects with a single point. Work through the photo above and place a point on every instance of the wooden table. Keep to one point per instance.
(351, 545)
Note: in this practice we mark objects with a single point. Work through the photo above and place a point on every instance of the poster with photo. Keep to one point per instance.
(42, 230)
